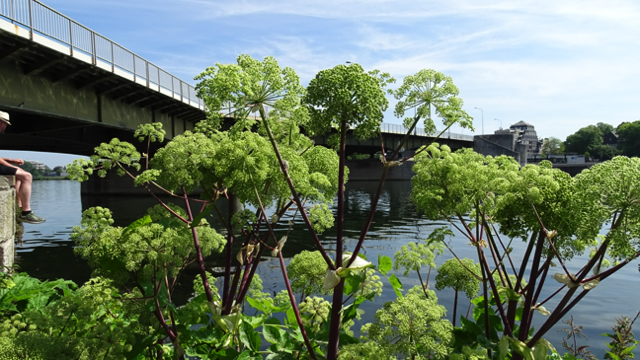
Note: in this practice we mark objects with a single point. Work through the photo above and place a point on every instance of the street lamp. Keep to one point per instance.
(496, 119)
(482, 111)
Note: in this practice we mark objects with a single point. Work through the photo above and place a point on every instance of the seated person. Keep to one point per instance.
(23, 180)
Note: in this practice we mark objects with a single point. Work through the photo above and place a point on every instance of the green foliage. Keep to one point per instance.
(552, 145)
(623, 342)
(115, 250)
(413, 256)
(459, 275)
(245, 86)
(315, 311)
(411, 327)
(470, 354)
(20, 292)
(584, 140)
(153, 132)
(347, 94)
(306, 272)
(607, 189)
(88, 323)
(629, 138)
(321, 217)
(431, 93)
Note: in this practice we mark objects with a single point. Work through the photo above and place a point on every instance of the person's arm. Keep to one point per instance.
(10, 162)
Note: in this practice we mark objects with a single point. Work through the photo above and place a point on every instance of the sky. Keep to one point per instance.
(559, 65)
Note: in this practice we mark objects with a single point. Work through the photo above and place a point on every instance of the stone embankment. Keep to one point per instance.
(7, 221)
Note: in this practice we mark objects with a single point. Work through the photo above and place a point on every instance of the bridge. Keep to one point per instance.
(392, 135)
(69, 88)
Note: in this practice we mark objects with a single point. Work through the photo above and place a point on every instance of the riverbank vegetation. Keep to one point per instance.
(266, 171)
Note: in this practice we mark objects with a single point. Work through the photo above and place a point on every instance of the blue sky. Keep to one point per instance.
(559, 65)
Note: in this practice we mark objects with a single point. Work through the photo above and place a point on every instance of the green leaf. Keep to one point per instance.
(396, 284)
(256, 304)
(470, 326)
(353, 282)
(136, 224)
(247, 355)
(504, 347)
(291, 317)
(196, 220)
(273, 332)
(280, 356)
(249, 337)
(510, 293)
(140, 344)
(521, 348)
(540, 351)
(384, 264)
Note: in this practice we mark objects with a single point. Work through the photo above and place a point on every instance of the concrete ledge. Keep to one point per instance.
(7, 220)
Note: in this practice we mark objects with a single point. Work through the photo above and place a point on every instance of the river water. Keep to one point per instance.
(46, 251)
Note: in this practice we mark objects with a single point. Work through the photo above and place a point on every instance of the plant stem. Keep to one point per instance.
(286, 279)
(229, 255)
(533, 275)
(196, 244)
(455, 308)
(294, 193)
(338, 291)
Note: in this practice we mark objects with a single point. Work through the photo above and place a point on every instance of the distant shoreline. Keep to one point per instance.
(51, 178)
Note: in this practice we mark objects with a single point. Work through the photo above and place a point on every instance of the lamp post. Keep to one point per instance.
(481, 111)
(496, 119)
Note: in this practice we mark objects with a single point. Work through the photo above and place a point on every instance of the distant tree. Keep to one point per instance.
(30, 168)
(629, 138)
(605, 128)
(58, 170)
(552, 145)
(584, 140)
(604, 152)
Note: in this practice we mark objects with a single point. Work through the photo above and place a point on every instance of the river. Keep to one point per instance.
(46, 251)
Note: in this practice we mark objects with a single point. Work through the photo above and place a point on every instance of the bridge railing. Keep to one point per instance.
(400, 129)
(43, 20)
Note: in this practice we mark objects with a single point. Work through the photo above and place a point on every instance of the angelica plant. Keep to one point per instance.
(412, 327)
(559, 217)
(460, 275)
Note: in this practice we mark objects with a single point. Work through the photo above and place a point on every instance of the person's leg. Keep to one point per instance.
(23, 191)
(18, 198)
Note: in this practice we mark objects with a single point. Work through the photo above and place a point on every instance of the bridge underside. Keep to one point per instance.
(33, 132)
(62, 103)
(391, 141)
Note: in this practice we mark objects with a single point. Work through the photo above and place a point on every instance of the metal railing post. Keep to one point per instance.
(146, 68)
(30, 21)
(13, 11)
(94, 54)
(113, 61)
(71, 36)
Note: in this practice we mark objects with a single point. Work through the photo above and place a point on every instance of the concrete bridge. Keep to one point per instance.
(392, 135)
(68, 88)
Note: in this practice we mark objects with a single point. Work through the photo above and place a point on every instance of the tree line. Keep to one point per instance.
(590, 140)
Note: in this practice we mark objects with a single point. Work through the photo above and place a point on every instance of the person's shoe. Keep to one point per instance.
(32, 218)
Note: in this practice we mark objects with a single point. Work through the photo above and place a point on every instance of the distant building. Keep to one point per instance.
(519, 141)
(611, 139)
(528, 137)
(36, 164)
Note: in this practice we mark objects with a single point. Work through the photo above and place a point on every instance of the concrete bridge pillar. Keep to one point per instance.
(7, 221)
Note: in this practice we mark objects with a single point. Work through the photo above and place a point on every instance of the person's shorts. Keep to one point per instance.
(7, 170)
